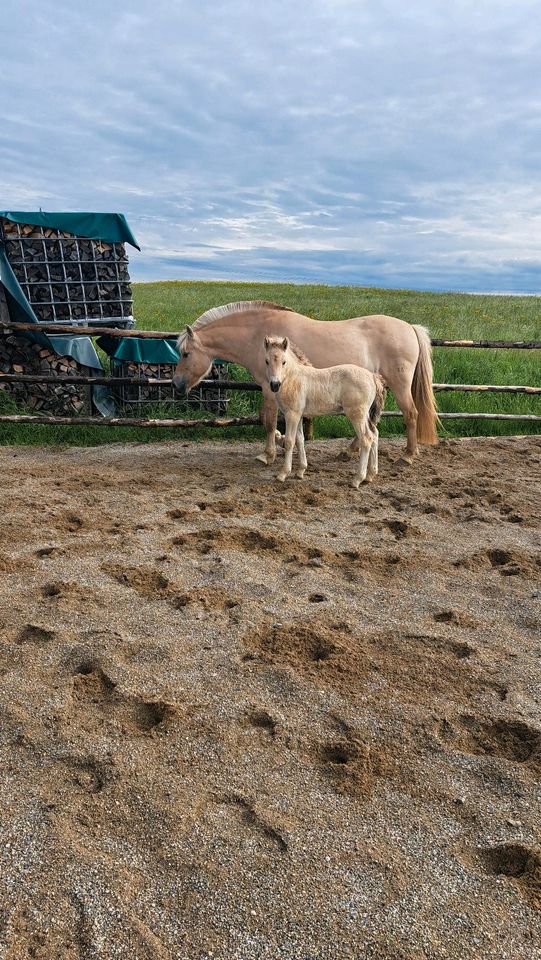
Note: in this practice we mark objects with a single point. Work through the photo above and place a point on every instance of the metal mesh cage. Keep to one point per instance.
(140, 395)
(68, 279)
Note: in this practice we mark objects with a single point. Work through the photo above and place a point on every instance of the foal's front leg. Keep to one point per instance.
(303, 462)
(292, 422)
(269, 418)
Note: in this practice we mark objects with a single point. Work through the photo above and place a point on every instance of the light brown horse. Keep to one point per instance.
(398, 351)
(302, 390)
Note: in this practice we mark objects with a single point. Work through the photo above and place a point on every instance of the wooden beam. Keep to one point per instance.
(227, 421)
(74, 329)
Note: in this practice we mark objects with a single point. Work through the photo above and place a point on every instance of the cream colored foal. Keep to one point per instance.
(304, 391)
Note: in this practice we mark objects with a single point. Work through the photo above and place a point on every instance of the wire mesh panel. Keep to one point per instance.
(69, 279)
(138, 396)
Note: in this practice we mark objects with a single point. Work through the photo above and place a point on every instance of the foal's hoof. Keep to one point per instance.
(266, 458)
(355, 484)
(300, 474)
(281, 477)
(345, 455)
(406, 459)
(370, 477)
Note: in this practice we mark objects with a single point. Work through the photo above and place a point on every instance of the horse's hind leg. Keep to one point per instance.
(403, 396)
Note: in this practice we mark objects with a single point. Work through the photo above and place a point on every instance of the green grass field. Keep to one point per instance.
(171, 305)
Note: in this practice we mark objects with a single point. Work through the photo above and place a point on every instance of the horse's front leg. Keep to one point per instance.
(292, 423)
(269, 418)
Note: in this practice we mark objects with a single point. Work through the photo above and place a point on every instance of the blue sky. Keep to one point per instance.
(334, 141)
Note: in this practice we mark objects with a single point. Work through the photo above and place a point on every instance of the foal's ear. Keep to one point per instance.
(267, 343)
(285, 343)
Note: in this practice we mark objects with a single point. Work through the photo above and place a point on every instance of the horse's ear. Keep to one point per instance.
(191, 334)
(267, 343)
(285, 343)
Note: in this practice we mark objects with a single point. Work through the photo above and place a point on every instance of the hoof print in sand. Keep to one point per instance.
(261, 720)
(35, 635)
(508, 563)
(351, 766)
(521, 864)
(99, 697)
(511, 740)
(249, 821)
(456, 618)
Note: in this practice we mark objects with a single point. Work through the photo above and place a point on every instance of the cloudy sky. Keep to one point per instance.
(335, 141)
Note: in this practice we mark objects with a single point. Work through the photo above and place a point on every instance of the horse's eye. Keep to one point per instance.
(267, 362)
(185, 355)
(283, 363)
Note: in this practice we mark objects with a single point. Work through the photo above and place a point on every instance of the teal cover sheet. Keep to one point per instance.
(111, 227)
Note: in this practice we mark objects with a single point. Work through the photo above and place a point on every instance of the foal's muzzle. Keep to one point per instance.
(275, 385)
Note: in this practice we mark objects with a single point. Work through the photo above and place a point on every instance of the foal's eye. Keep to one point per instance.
(267, 362)
(185, 355)
(283, 363)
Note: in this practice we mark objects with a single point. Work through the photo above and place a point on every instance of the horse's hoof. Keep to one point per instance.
(281, 477)
(406, 458)
(345, 455)
(370, 477)
(262, 457)
(355, 484)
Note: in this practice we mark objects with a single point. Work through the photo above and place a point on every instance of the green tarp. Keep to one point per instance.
(133, 350)
(111, 227)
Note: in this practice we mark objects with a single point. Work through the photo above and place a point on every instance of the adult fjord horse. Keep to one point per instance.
(400, 352)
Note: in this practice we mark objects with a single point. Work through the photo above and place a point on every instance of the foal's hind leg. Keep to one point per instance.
(365, 442)
(372, 467)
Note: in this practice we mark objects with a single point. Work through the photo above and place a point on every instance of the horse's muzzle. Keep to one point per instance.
(275, 385)
(179, 384)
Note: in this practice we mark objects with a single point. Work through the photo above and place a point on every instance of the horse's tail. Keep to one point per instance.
(374, 414)
(422, 391)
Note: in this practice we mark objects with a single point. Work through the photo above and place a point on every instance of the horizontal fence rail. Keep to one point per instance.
(75, 329)
(243, 385)
(227, 421)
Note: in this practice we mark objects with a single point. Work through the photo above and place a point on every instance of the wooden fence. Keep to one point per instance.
(235, 384)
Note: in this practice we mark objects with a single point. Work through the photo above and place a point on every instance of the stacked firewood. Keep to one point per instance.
(20, 355)
(202, 398)
(67, 278)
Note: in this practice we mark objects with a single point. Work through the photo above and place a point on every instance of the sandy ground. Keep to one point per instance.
(246, 720)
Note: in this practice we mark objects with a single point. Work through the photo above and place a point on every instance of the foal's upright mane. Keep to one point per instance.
(277, 342)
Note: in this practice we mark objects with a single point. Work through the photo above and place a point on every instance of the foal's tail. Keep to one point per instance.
(374, 414)
(422, 392)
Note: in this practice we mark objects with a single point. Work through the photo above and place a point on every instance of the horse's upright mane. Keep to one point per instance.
(241, 306)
